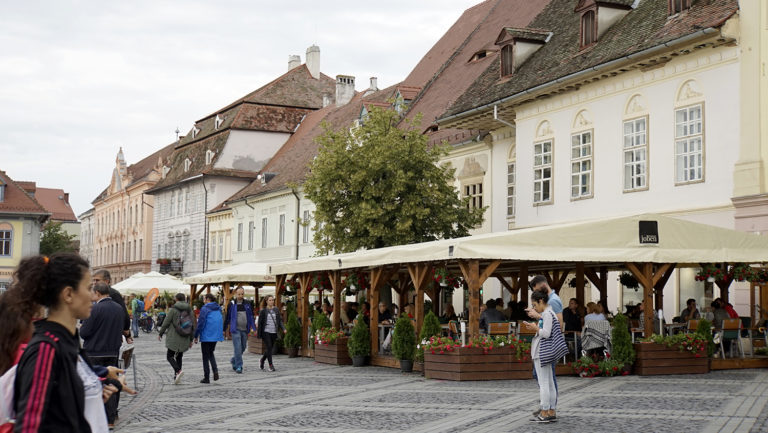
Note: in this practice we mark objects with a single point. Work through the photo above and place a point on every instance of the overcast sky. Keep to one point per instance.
(79, 79)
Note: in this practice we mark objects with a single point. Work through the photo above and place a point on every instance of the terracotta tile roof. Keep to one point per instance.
(528, 34)
(55, 201)
(408, 92)
(27, 186)
(478, 31)
(445, 47)
(291, 163)
(16, 200)
(647, 26)
(196, 153)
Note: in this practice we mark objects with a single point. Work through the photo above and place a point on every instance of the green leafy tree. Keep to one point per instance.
(623, 351)
(292, 337)
(359, 343)
(55, 240)
(404, 339)
(379, 185)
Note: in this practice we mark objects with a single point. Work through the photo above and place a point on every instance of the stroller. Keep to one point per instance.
(146, 323)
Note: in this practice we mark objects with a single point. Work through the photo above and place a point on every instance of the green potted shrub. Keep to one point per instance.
(292, 339)
(623, 352)
(359, 343)
(404, 343)
(705, 330)
(430, 328)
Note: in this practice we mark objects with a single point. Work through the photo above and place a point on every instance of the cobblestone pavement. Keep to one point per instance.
(303, 396)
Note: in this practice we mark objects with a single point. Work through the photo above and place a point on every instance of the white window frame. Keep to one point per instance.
(630, 146)
(687, 133)
(582, 165)
(239, 236)
(264, 228)
(221, 246)
(281, 232)
(473, 191)
(543, 161)
(251, 234)
(305, 227)
(6, 243)
(511, 187)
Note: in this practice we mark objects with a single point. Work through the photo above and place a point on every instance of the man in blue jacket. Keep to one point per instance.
(239, 323)
(102, 335)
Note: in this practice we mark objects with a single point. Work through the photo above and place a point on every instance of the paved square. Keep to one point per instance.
(303, 396)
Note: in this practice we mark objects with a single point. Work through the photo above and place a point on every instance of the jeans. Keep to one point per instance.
(269, 344)
(111, 405)
(208, 347)
(554, 378)
(135, 324)
(240, 341)
(174, 358)
(547, 389)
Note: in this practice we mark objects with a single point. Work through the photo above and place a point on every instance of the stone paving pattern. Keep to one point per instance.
(303, 396)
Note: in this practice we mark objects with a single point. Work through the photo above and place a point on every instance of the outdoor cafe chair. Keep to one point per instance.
(454, 330)
(635, 329)
(525, 334)
(731, 331)
(693, 325)
(498, 328)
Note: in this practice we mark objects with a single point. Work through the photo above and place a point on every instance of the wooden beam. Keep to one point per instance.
(279, 289)
(335, 278)
(557, 279)
(471, 271)
(522, 282)
(227, 295)
(580, 282)
(303, 308)
(192, 293)
(600, 280)
(507, 286)
(379, 276)
(643, 272)
(660, 280)
(419, 275)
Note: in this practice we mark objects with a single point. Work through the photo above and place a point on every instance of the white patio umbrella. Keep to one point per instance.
(143, 283)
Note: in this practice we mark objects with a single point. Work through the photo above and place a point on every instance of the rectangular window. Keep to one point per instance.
(251, 233)
(507, 60)
(263, 232)
(5, 242)
(194, 249)
(202, 249)
(689, 144)
(170, 208)
(240, 236)
(2, 193)
(221, 246)
(141, 249)
(186, 249)
(186, 202)
(281, 234)
(180, 201)
(581, 164)
(305, 227)
(510, 189)
(635, 154)
(542, 172)
(475, 194)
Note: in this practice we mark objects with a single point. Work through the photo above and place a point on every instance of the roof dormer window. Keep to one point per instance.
(219, 120)
(195, 131)
(2, 193)
(166, 169)
(480, 55)
(677, 6)
(209, 156)
(588, 29)
(187, 164)
(507, 60)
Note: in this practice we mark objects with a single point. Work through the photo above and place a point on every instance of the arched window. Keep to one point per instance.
(689, 134)
(507, 63)
(511, 181)
(588, 29)
(543, 148)
(635, 145)
(582, 156)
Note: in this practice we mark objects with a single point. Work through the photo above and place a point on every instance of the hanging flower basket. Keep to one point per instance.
(629, 281)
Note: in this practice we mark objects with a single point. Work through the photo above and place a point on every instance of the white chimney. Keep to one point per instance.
(374, 87)
(326, 100)
(313, 61)
(293, 61)
(345, 89)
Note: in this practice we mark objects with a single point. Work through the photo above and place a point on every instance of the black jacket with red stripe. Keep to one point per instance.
(48, 393)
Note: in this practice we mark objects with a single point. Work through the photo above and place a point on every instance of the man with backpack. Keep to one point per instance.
(137, 307)
(180, 324)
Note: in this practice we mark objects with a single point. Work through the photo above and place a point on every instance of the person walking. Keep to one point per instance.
(546, 348)
(270, 323)
(103, 276)
(135, 315)
(180, 325)
(102, 337)
(210, 330)
(239, 323)
(55, 388)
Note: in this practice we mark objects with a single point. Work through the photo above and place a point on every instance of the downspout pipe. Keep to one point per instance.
(500, 120)
(579, 74)
(205, 228)
(298, 210)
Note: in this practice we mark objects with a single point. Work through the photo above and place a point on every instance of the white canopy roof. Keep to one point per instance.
(242, 273)
(612, 240)
(142, 283)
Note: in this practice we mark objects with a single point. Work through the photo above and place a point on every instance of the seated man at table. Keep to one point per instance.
(491, 314)
(690, 312)
(385, 317)
(572, 316)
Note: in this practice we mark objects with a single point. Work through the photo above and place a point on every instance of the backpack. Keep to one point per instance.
(140, 305)
(183, 324)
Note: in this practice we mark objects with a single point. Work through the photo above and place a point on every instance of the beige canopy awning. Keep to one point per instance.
(611, 240)
(242, 273)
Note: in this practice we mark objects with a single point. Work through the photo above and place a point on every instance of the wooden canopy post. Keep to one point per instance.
(192, 293)
(303, 295)
(279, 289)
(335, 277)
(475, 280)
(580, 283)
(658, 288)
(379, 276)
(402, 283)
(600, 280)
(645, 275)
(556, 279)
(522, 282)
(511, 288)
(419, 275)
(207, 289)
(227, 295)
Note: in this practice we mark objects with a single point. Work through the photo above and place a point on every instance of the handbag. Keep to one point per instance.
(553, 348)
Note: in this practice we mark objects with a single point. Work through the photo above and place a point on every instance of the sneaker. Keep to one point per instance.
(232, 361)
(271, 368)
(261, 364)
(215, 375)
(541, 419)
(177, 379)
(239, 370)
(537, 413)
(205, 380)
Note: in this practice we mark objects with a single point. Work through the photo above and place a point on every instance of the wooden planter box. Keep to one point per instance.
(335, 353)
(471, 364)
(655, 359)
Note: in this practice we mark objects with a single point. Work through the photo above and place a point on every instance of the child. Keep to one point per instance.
(544, 330)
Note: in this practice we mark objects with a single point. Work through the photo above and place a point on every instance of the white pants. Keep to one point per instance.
(547, 391)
